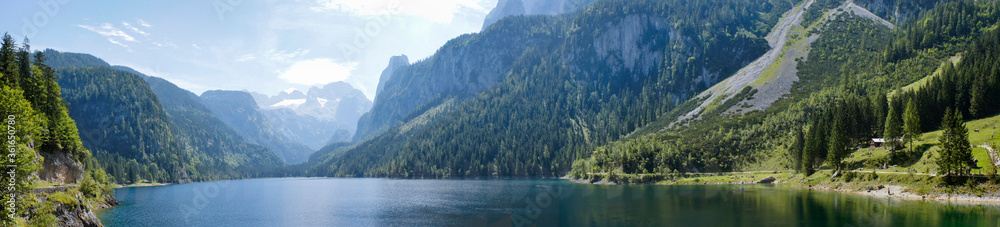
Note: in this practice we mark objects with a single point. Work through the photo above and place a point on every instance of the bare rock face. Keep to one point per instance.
(461, 68)
(60, 168)
(394, 64)
(77, 215)
(766, 180)
(621, 45)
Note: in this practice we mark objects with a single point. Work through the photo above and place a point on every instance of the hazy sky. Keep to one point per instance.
(265, 46)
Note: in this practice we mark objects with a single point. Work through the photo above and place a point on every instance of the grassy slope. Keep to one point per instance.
(917, 175)
(920, 83)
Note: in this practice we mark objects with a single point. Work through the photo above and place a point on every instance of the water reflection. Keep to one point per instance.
(382, 202)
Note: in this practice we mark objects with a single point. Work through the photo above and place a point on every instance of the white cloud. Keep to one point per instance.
(434, 10)
(274, 55)
(114, 35)
(196, 46)
(317, 72)
(109, 31)
(144, 24)
(247, 57)
(134, 29)
(116, 42)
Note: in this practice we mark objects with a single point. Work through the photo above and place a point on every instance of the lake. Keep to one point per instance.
(389, 202)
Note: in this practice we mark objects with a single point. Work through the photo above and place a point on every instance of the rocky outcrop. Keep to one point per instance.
(766, 180)
(507, 8)
(394, 64)
(620, 45)
(76, 215)
(60, 167)
(463, 67)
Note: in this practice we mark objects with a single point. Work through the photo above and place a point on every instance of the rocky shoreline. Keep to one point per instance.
(899, 192)
(885, 191)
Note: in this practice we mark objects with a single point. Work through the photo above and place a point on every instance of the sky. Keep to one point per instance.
(266, 46)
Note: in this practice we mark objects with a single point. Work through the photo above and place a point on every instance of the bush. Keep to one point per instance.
(63, 198)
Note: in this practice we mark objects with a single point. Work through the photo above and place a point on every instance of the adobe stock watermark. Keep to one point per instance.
(536, 203)
(223, 7)
(96, 137)
(39, 19)
(373, 28)
(11, 157)
(203, 196)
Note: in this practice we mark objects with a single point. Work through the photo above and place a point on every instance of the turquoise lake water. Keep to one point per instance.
(388, 202)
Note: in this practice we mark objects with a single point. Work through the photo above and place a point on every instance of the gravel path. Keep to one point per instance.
(993, 155)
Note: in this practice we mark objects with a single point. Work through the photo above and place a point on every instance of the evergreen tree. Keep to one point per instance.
(893, 127)
(956, 151)
(8, 61)
(839, 143)
(797, 148)
(911, 123)
(977, 105)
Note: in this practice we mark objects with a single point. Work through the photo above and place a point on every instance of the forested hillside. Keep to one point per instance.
(145, 129)
(851, 89)
(43, 147)
(561, 86)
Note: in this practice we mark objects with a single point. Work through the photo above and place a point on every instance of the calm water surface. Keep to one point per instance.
(384, 202)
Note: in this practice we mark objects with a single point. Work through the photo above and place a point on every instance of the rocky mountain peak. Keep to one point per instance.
(394, 63)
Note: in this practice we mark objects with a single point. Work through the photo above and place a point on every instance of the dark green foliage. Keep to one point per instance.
(797, 150)
(120, 114)
(956, 152)
(8, 61)
(839, 143)
(954, 87)
(817, 146)
(817, 9)
(835, 57)
(893, 126)
(911, 122)
(944, 26)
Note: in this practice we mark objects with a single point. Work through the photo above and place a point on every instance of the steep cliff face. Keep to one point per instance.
(320, 116)
(60, 167)
(462, 68)
(394, 64)
(507, 8)
(238, 110)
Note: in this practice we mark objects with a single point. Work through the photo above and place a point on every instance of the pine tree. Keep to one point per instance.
(8, 62)
(797, 148)
(893, 127)
(815, 145)
(977, 105)
(911, 122)
(839, 143)
(956, 151)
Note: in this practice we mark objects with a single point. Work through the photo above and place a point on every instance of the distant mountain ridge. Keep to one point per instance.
(317, 117)
(239, 111)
